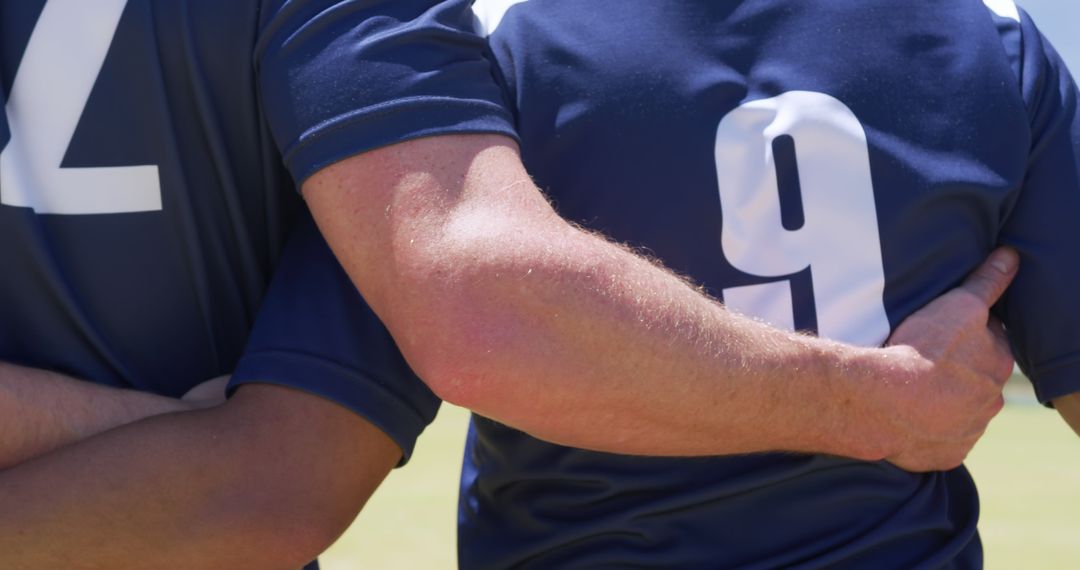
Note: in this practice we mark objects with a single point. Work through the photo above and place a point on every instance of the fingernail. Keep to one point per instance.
(1004, 261)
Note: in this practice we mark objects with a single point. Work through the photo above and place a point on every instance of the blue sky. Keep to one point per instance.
(1060, 21)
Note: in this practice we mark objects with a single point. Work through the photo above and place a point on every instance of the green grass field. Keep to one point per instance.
(1027, 468)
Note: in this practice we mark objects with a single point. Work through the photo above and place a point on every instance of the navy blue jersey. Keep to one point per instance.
(145, 200)
(829, 166)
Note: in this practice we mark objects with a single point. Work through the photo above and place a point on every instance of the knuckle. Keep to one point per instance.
(980, 286)
(997, 405)
(986, 387)
(1007, 366)
(975, 301)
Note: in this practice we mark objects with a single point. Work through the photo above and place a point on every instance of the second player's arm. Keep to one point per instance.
(505, 308)
(267, 480)
(42, 410)
(1069, 408)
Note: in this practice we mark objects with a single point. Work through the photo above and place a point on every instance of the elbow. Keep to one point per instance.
(464, 317)
(457, 361)
(471, 307)
(484, 359)
(457, 388)
(469, 343)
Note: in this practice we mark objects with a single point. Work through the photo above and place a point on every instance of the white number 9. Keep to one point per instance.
(838, 239)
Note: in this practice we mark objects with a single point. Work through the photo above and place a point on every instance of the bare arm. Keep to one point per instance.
(267, 480)
(1069, 408)
(42, 410)
(506, 309)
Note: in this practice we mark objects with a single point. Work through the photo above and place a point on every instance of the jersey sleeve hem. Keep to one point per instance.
(350, 388)
(397, 121)
(1057, 378)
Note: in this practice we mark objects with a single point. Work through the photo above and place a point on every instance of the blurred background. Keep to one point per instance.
(1027, 466)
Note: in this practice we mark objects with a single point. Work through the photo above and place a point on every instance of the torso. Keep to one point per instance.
(826, 166)
(138, 228)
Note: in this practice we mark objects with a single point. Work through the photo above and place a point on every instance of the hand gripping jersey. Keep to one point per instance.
(144, 202)
(828, 166)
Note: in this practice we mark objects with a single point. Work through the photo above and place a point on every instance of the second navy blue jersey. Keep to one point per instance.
(146, 197)
(828, 166)
(148, 156)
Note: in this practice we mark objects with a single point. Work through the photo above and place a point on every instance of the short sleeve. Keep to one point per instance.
(338, 78)
(1041, 310)
(315, 333)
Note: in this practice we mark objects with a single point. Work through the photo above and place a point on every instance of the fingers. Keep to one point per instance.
(990, 280)
(936, 456)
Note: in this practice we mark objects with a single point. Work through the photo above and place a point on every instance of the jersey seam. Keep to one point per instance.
(372, 112)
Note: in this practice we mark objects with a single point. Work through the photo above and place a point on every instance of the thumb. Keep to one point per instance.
(990, 280)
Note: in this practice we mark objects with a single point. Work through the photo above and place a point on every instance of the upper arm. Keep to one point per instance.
(438, 235)
(392, 215)
(267, 480)
(1069, 408)
(317, 463)
(344, 85)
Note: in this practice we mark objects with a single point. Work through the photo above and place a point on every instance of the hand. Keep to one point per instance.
(947, 365)
(208, 394)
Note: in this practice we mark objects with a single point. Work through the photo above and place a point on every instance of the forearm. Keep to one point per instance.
(587, 334)
(508, 310)
(243, 485)
(1069, 408)
(42, 410)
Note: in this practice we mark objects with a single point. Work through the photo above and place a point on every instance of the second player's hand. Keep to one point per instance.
(208, 394)
(949, 362)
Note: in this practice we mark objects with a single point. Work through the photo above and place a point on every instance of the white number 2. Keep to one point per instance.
(52, 86)
(838, 239)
